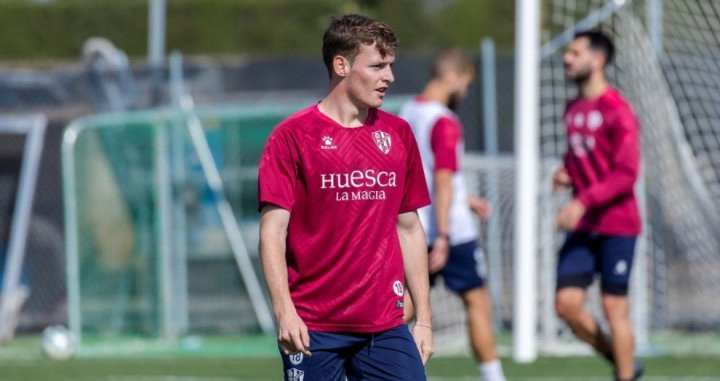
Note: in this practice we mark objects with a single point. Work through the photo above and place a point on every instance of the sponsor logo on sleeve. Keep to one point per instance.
(398, 288)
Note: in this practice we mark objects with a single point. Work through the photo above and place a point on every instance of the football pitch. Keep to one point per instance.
(23, 360)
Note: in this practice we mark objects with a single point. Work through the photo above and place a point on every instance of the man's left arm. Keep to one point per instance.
(415, 263)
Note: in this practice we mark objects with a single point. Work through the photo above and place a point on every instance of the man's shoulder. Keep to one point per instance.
(616, 109)
(427, 107)
(570, 103)
(614, 100)
(296, 124)
(391, 120)
(298, 119)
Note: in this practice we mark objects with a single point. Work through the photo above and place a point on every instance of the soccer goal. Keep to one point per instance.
(162, 226)
(667, 67)
(22, 137)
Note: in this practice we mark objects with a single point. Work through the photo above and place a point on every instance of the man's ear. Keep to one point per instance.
(599, 61)
(341, 66)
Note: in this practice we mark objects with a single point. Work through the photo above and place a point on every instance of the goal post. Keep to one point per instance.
(32, 127)
(527, 33)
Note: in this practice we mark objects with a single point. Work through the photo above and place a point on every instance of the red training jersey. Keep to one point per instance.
(602, 160)
(344, 188)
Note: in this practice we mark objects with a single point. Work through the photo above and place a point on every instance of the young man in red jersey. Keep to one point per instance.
(339, 184)
(602, 219)
(449, 223)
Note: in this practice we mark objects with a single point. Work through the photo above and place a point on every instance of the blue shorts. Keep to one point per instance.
(465, 268)
(585, 254)
(387, 355)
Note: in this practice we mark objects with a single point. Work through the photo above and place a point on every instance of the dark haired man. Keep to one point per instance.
(602, 220)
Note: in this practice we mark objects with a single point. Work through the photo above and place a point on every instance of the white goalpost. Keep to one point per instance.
(526, 200)
(33, 128)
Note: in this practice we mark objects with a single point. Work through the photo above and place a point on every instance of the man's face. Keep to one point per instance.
(369, 76)
(460, 83)
(580, 60)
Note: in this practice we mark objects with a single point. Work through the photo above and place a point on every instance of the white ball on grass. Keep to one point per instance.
(58, 342)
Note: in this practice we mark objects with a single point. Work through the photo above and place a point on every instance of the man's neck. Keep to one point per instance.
(436, 91)
(339, 106)
(593, 87)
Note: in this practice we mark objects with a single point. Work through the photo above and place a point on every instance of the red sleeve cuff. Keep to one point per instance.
(274, 201)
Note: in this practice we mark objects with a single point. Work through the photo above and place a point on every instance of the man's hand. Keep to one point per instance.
(561, 180)
(293, 335)
(439, 254)
(422, 334)
(480, 206)
(570, 215)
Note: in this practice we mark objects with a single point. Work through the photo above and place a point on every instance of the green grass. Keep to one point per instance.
(22, 360)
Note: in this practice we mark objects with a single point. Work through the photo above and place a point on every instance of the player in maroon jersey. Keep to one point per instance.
(339, 184)
(602, 219)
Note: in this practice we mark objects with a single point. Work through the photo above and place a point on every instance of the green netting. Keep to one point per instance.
(148, 258)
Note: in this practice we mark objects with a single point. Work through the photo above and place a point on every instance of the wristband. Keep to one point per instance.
(443, 235)
(423, 325)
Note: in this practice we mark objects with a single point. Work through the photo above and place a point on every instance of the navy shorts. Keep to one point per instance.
(465, 268)
(386, 355)
(585, 254)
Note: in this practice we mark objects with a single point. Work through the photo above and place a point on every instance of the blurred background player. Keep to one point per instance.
(339, 185)
(602, 219)
(449, 223)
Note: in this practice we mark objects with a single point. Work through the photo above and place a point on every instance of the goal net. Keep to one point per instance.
(667, 67)
(162, 228)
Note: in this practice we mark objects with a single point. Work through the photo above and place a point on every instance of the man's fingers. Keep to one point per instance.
(425, 352)
(286, 344)
(305, 338)
(436, 262)
(297, 341)
(421, 351)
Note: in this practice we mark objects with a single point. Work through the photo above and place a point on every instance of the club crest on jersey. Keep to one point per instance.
(383, 141)
(594, 120)
(295, 374)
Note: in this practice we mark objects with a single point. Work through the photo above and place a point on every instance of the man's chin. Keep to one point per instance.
(375, 103)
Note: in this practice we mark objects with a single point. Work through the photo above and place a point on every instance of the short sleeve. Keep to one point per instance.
(277, 171)
(415, 193)
(444, 140)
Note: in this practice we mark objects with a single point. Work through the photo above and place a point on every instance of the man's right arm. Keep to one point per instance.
(444, 142)
(293, 334)
(442, 196)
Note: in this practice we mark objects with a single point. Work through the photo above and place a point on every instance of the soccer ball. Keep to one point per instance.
(58, 342)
